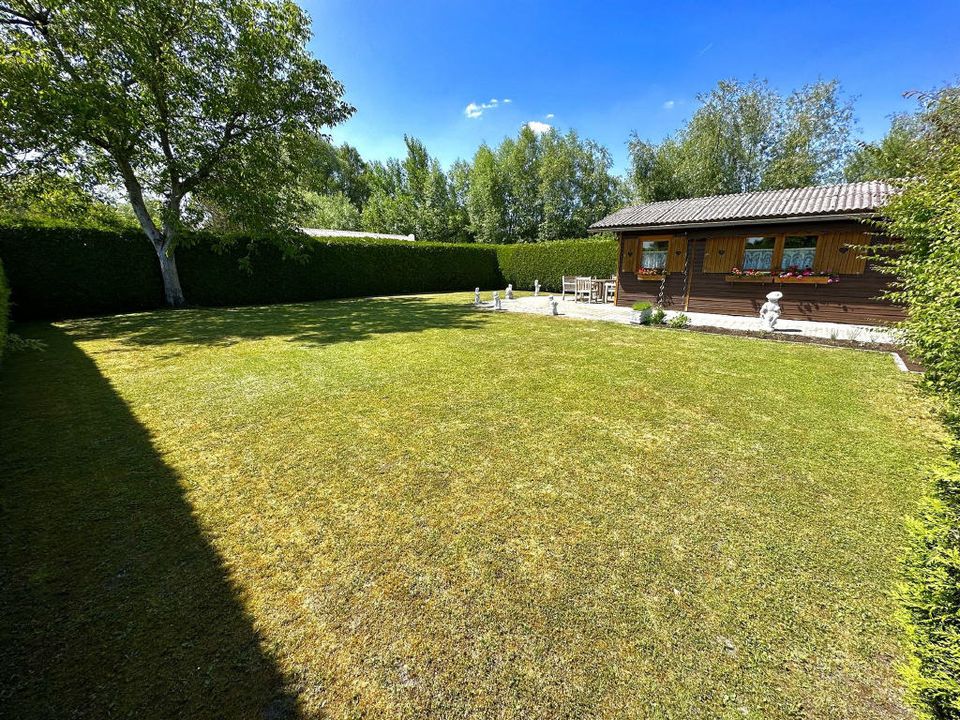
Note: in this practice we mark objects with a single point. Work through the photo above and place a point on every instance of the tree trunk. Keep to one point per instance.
(171, 279)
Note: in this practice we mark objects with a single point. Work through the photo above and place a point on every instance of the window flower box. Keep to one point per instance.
(792, 275)
(650, 274)
(751, 279)
(808, 280)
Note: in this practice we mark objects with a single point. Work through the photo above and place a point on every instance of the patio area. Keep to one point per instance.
(605, 311)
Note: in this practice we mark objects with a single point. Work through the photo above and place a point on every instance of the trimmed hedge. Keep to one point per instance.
(4, 309)
(548, 262)
(56, 273)
(930, 597)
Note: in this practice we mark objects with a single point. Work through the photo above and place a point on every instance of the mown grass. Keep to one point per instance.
(408, 508)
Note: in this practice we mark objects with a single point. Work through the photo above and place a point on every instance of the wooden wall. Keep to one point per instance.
(852, 300)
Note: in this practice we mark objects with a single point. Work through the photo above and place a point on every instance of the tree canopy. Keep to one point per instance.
(174, 103)
(746, 136)
(539, 187)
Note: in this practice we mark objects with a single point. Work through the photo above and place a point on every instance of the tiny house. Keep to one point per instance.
(723, 254)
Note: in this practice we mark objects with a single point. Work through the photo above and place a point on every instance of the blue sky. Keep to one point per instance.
(609, 68)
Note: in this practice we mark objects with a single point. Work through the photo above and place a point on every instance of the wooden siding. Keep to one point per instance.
(840, 253)
(722, 254)
(677, 254)
(852, 300)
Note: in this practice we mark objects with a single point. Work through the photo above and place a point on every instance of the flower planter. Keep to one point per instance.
(776, 279)
(751, 278)
(808, 280)
(657, 278)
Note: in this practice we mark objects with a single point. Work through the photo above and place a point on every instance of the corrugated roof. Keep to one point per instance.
(845, 198)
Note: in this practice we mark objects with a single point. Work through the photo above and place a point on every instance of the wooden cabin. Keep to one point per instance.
(723, 254)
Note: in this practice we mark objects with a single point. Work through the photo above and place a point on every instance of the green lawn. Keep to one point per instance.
(408, 508)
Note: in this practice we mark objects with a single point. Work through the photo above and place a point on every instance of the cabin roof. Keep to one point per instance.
(817, 202)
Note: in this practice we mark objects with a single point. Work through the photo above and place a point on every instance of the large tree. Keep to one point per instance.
(413, 195)
(746, 136)
(170, 99)
(539, 187)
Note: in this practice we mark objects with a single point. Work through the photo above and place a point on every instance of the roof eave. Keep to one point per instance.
(742, 221)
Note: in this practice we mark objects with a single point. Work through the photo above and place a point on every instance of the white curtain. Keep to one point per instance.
(801, 258)
(653, 259)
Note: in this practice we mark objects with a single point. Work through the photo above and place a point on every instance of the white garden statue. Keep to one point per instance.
(509, 292)
(553, 305)
(496, 300)
(536, 288)
(770, 311)
(476, 297)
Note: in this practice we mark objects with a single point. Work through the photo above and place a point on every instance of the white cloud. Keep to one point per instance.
(538, 127)
(507, 101)
(475, 110)
(669, 104)
(549, 116)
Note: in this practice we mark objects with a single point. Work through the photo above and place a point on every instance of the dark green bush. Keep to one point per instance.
(930, 597)
(549, 262)
(59, 273)
(4, 309)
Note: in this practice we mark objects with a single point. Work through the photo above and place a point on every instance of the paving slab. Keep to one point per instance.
(864, 334)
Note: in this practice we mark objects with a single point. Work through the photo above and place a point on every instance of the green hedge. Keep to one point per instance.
(548, 262)
(4, 309)
(56, 273)
(930, 597)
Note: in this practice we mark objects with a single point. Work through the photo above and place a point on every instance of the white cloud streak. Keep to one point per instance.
(475, 110)
(669, 104)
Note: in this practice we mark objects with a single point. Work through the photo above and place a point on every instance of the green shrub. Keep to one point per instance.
(659, 316)
(679, 321)
(4, 309)
(59, 273)
(548, 262)
(930, 598)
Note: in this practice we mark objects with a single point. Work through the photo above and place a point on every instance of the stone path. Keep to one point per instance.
(608, 312)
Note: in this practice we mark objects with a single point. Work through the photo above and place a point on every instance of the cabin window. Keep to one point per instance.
(799, 251)
(758, 253)
(653, 254)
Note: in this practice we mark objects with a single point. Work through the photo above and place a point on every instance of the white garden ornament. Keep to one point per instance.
(770, 311)
(536, 288)
(496, 300)
(509, 292)
(476, 297)
(553, 305)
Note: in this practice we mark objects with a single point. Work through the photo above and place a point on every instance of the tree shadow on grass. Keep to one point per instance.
(112, 602)
(320, 323)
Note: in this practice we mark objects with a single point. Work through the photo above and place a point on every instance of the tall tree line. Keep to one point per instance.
(528, 188)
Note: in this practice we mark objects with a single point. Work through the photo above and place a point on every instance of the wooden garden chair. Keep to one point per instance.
(569, 285)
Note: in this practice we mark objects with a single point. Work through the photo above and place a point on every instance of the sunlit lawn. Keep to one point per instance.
(408, 508)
